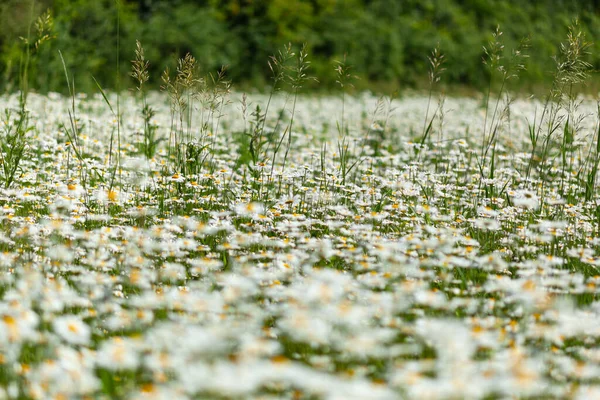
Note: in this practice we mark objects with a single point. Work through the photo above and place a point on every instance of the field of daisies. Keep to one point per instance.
(297, 247)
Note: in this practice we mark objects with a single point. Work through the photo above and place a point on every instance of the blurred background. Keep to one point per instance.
(387, 42)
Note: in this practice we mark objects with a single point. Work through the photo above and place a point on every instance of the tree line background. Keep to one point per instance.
(385, 41)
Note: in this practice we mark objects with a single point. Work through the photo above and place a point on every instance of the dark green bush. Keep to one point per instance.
(386, 41)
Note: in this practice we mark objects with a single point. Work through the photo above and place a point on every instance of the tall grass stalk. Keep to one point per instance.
(117, 168)
(571, 70)
(505, 68)
(344, 79)
(278, 64)
(436, 62)
(217, 99)
(298, 77)
(72, 130)
(180, 91)
(13, 139)
(140, 74)
(574, 52)
(280, 69)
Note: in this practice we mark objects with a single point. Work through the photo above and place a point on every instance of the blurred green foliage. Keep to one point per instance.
(386, 41)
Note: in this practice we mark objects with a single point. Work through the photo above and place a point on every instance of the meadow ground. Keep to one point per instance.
(393, 249)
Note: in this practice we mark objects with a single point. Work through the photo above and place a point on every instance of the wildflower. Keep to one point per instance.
(526, 199)
(118, 354)
(72, 330)
(487, 224)
(248, 209)
(177, 178)
(112, 195)
(18, 326)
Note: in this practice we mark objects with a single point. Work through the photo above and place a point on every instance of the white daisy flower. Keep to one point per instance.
(72, 330)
